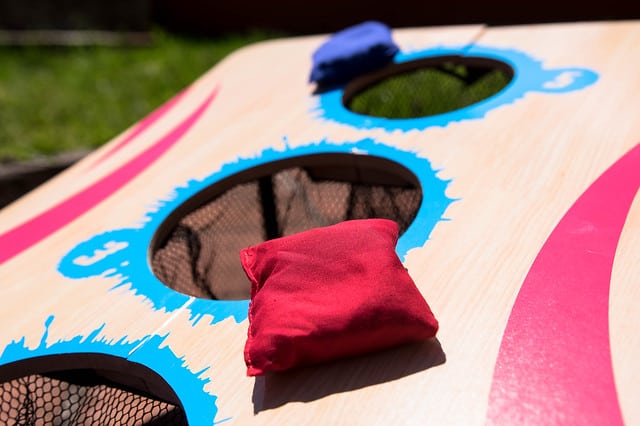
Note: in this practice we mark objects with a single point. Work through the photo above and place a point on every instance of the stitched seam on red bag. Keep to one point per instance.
(248, 262)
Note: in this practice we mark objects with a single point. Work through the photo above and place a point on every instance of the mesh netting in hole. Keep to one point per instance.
(52, 400)
(201, 255)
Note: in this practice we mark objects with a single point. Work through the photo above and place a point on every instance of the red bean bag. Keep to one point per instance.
(328, 293)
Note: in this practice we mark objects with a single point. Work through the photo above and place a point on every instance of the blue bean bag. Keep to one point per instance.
(351, 52)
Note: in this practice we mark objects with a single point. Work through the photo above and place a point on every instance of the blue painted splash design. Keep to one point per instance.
(529, 76)
(199, 406)
(123, 254)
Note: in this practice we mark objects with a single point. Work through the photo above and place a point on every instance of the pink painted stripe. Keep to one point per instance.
(554, 366)
(140, 127)
(20, 238)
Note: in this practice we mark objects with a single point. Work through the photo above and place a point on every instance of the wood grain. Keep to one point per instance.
(515, 172)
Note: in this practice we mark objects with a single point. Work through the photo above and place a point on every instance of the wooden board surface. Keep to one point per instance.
(534, 294)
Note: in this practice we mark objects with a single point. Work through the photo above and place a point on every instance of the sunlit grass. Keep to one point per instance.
(61, 99)
(54, 100)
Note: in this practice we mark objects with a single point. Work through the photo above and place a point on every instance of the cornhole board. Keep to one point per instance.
(531, 265)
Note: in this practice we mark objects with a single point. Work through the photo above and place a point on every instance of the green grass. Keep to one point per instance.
(60, 99)
(428, 91)
(54, 100)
